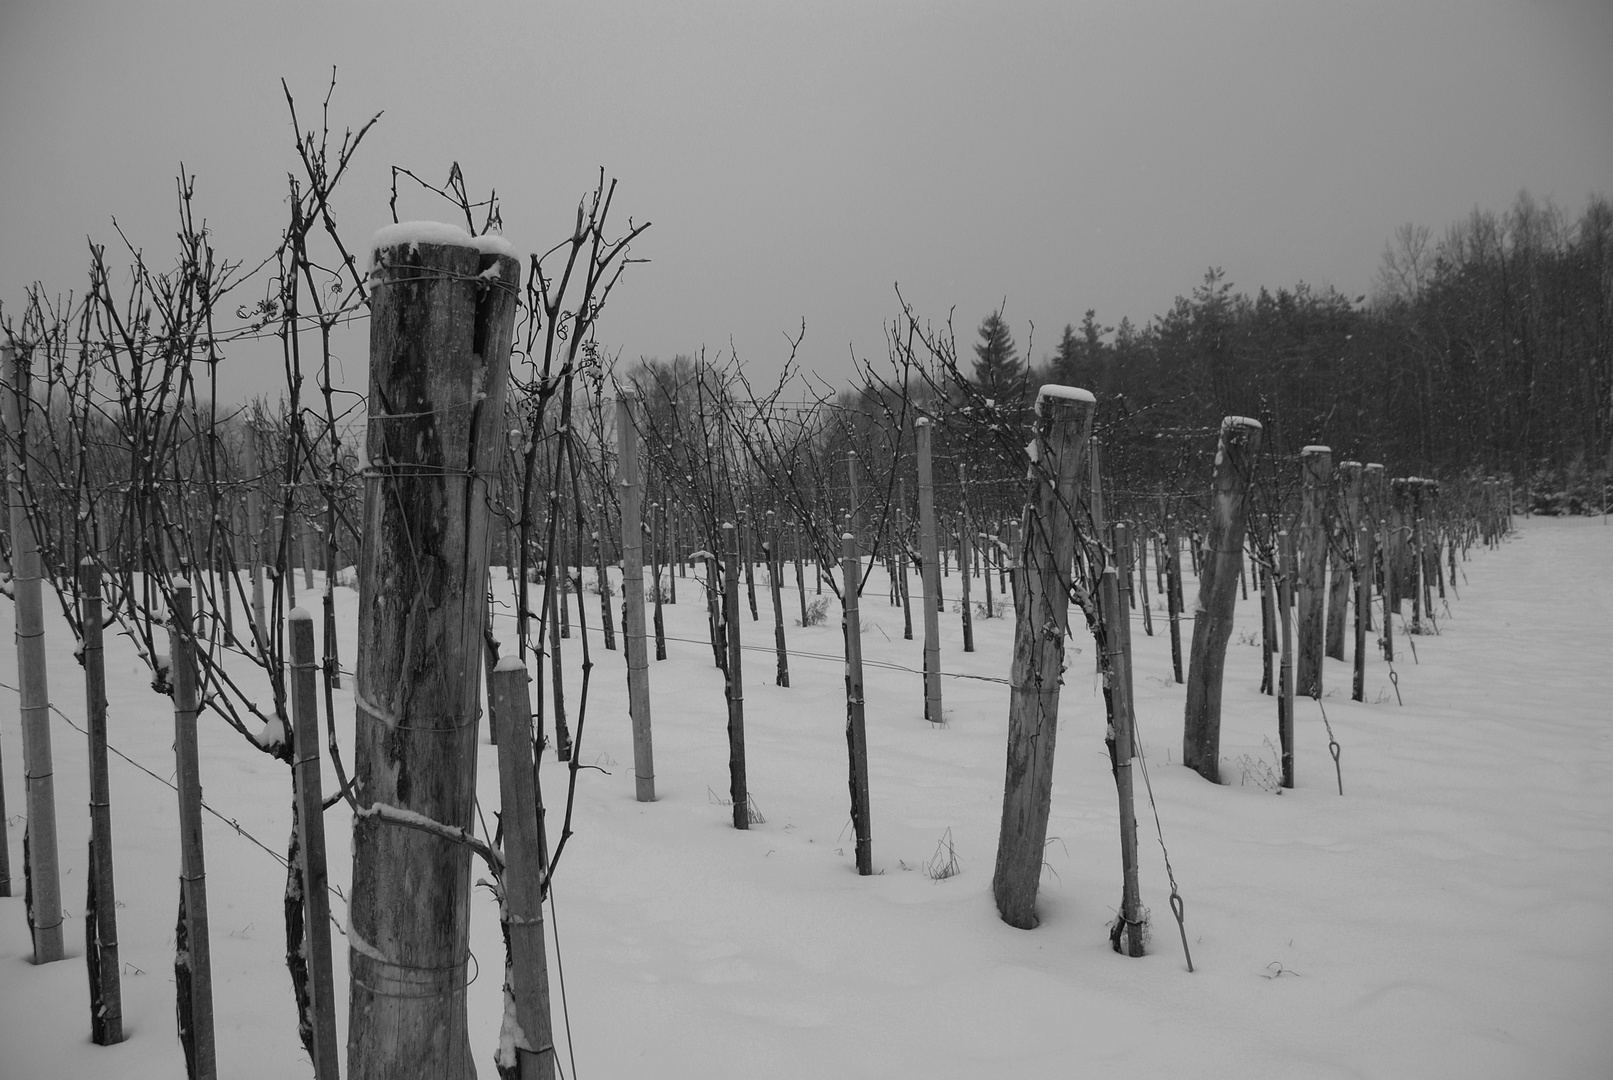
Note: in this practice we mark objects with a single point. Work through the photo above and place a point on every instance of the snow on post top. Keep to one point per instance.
(299, 614)
(1066, 393)
(1240, 421)
(512, 662)
(415, 233)
(1317, 450)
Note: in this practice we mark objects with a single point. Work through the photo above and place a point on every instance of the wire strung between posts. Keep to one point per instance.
(1332, 743)
(231, 822)
(1178, 906)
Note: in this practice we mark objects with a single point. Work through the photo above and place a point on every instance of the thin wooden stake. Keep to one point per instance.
(101, 931)
(193, 965)
(1129, 928)
(930, 574)
(856, 732)
(522, 911)
(40, 864)
(734, 682)
(1285, 701)
(311, 842)
(633, 630)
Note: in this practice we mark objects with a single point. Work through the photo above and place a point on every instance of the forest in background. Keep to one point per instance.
(1489, 348)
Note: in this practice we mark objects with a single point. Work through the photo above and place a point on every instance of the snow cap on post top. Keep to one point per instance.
(511, 662)
(1240, 421)
(1066, 393)
(415, 233)
(298, 614)
(1316, 449)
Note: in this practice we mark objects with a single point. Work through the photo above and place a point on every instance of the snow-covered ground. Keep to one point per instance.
(1450, 916)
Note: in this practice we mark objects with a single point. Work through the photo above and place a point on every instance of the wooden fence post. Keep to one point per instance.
(734, 682)
(856, 731)
(1316, 464)
(193, 966)
(1041, 618)
(635, 638)
(40, 864)
(100, 915)
(442, 320)
(1218, 594)
(1346, 497)
(311, 842)
(528, 976)
(930, 573)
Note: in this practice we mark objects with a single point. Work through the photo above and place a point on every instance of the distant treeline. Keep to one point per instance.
(1490, 348)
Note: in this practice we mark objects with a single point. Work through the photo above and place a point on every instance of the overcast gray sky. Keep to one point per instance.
(798, 160)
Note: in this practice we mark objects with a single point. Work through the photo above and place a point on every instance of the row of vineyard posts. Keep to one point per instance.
(183, 526)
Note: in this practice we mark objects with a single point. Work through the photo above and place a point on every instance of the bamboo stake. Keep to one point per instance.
(634, 643)
(101, 927)
(193, 971)
(527, 978)
(40, 864)
(1063, 427)
(311, 843)
(856, 732)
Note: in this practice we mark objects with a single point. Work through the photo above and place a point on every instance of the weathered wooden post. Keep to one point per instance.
(39, 785)
(100, 915)
(635, 637)
(1218, 594)
(930, 573)
(1285, 699)
(1041, 619)
(1316, 465)
(311, 843)
(1372, 478)
(734, 682)
(856, 731)
(442, 321)
(527, 978)
(193, 965)
(1347, 491)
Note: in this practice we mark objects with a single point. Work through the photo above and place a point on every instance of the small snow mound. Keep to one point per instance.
(510, 663)
(1240, 421)
(1316, 449)
(300, 613)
